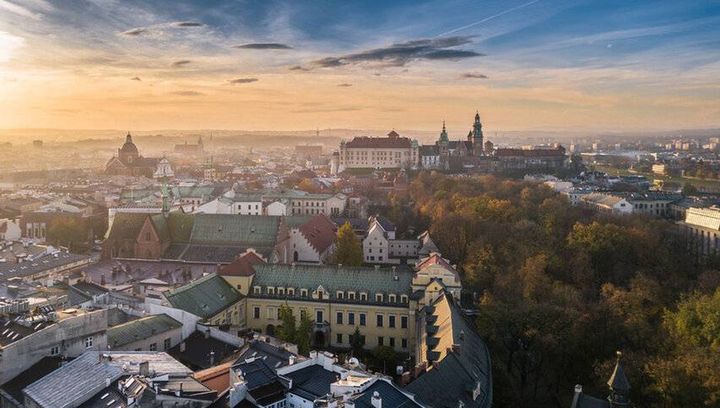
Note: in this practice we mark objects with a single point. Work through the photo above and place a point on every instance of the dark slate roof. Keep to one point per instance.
(587, 401)
(385, 223)
(134, 330)
(38, 264)
(333, 278)
(82, 292)
(201, 352)
(204, 297)
(312, 382)
(274, 357)
(256, 372)
(429, 150)
(110, 397)
(391, 396)
(37, 371)
(510, 152)
(454, 375)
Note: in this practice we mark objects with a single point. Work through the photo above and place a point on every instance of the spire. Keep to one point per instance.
(619, 385)
(128, 138)
(165, 198)
(443, 134)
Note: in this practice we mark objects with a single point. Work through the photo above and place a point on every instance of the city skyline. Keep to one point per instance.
(542, 64)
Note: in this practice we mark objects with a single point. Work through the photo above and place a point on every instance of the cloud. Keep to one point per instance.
(328, 110)
(188, 93)
(473, 75)
(19, 10)
(264, 46)
(243, 80)
(400, 54)
(299, 68)
(181, 63)
(135, 32)
(136, 79)
(184, 24)
(345, 85)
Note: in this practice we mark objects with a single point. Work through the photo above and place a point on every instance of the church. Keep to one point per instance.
(129, 162)
(446, 154)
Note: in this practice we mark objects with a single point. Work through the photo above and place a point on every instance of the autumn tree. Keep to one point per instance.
(348, 250)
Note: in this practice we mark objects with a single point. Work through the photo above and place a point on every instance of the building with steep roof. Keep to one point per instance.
(618, 397)
(129, 162)
(313, 240)
(151, 333)
(210, 298)
(453, 363)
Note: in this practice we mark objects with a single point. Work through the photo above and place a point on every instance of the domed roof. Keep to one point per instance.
(129, 146)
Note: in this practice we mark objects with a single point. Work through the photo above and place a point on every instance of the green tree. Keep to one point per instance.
(689, 189)
(348, 250)
(70, 233)
(385, 357)
(303, 334)
(356, 343)
(288, 330)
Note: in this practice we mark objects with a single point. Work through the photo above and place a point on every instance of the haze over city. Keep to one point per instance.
(283, 65)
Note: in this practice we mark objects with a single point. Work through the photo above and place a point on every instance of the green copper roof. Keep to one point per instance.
(140, 329)
(204, 297)
(241, 230)
(334, 278)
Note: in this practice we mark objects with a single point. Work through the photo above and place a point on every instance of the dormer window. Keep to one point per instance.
(281, 291)
(291, 291)
(363, 296)
(379, 297)
(257, 290)
(403, 299)
(392, 298)
(351, 295)
(270, 291)
(340, 294)
(303, 292)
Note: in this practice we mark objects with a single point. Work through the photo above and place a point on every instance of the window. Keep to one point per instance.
(362, 319)
(379, 320)
(403, 322)
(340, 294)
(239, 286)
(303, 292)
(403, 342)
(88, 342)
(403, 299)
(271, 291)
(392, 298)
(291, 291)
(351, 318)
(381, 341)
(392, 342)
(339, 318)
(153, 347)
(256, 312)
(318, 316)
(338, 338)
(363, 296)
(167, 344)
(379, 297)
(257, 290)
(351, 295)
(391, 321)
(55, 350)
(320, 294)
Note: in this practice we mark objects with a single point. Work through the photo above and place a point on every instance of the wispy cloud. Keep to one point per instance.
(345, 85)
(135, 32)
(473, 75)
(136, 79)
(298, 68)
(400, 54)
(185, 24)
(181, 63)
(19, 10)
(242, 80)
(263, 46)
(188, 93)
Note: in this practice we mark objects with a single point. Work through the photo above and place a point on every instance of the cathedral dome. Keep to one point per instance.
(129, 147)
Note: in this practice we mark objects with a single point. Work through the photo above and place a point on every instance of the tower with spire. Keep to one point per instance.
(477, 136)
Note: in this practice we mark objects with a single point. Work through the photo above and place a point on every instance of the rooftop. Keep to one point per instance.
(204, 297)
(143, 328)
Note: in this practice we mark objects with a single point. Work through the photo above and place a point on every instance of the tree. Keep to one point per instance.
(348, 250)
(70, 233)
(356, 342)
(689, 189)
(384, 356)
(288, 330)
(303, 334)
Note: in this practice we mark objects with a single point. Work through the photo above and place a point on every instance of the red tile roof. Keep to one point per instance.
(320, 232)
(379, 142)
(242, 266)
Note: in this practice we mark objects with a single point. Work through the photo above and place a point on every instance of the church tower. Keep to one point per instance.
(619, 386)
(477, 136)
(443, 144)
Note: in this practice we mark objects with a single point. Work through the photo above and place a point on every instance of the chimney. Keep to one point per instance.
(207, 333)
(291, 360)
(145, 368)
(108, 381)
(182, 347)
(576, 397)
(212, 358)
(376, 401)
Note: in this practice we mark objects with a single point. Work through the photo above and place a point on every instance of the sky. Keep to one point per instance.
(576, 65)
